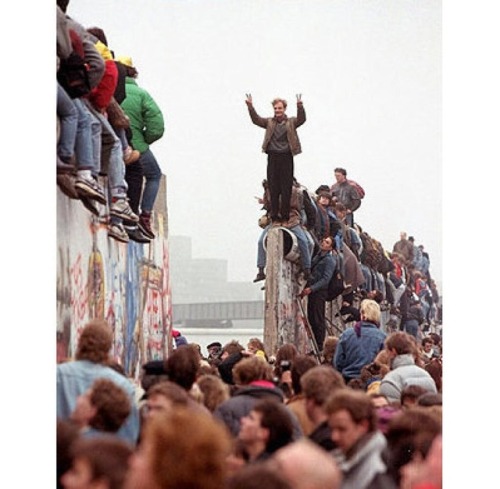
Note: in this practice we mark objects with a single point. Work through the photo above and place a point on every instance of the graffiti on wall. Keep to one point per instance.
(97, 277)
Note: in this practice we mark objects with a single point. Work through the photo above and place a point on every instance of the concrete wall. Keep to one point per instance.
(127, 284)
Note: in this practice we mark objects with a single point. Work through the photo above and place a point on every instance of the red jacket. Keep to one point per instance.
(101, 95)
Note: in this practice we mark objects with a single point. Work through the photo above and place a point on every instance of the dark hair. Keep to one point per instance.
(340, 170)
(63, 5)
(300, 365)
(182, 366)
(99, 33)
(95, 342)
(276, 417)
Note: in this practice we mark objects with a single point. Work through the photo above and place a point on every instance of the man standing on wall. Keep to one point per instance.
(281, 143)
(346, 194)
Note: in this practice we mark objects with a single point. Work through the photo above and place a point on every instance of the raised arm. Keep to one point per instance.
(256, 118)
(301, 113)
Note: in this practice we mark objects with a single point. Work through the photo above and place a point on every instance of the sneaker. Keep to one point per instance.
(135, 234)
(88, 187)
(90, 205)
(260, 276)
(121, 208)
(130, 155)
(145, 225)
(66, 183)
(116, 231)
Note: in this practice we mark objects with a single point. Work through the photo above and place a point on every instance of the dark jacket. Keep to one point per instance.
(240, 404)
(322, 436)
(347, 195)
(322, 268)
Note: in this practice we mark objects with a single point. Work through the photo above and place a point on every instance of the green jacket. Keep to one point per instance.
(146, 118)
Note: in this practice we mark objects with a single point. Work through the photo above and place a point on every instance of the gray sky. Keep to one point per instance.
(370, 77)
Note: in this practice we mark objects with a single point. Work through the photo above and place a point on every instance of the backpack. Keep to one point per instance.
(359, 189)
(371, 255)
(73, 70)
(336, 285)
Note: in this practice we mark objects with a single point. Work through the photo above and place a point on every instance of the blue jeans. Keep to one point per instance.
(152, 173)
(85, 138)
(367, 285)
(117, 185)
(411, 327)
(68, 124)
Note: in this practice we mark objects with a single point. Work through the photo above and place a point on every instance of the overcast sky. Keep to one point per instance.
(370, 77)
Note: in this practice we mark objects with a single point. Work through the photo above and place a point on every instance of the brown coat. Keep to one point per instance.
(269, 123)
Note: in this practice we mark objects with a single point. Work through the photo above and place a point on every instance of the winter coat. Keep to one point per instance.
(403, 373)
(360, 468)
(146, 118)
(353, 352)
(269, 123)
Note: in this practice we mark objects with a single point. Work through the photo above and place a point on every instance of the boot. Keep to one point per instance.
(260, 275)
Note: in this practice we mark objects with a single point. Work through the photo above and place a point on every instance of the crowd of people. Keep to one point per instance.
(368, 416)
(106, 125)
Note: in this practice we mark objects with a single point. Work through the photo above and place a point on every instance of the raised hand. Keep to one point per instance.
(248, 100)
(299, 98)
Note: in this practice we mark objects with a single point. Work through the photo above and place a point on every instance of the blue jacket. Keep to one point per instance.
(322, 268)
(353, 352)
(75, 378)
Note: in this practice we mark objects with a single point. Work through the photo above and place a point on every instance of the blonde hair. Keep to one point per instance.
(370, 310)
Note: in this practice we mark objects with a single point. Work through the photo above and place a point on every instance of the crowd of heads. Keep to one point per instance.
(258, 426)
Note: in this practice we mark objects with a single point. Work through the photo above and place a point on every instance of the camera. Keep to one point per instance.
(285, 365)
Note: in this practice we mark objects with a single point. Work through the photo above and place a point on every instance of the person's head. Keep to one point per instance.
(279, 106)
(317, 385)
(215, 391)
(326, 244)
(180, 450)
(104, 406)
(427, 344)
(99, 34)
(257, 476)
(340, 211)
(152, 373)
(370, 311)
(231, 348)
(95, 342)
(98, 463)
(410, 432)
(411, 239)
(340, 175)
(255, 344)
(307, 466)
(300, 365)
(214, 350)
(375, 295)
(287, 351)
(182, 366)
(251, 369)
(324, 198)
(329, 346)
(379, 400)
(399, 343)
(164, 396)
(351, 415)
(410, 394)
(403, 235)
(428, 399)
(267, 427)
(131, 70)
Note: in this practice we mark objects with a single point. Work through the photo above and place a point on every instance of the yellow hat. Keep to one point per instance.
(104, 51)
(125, 60)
